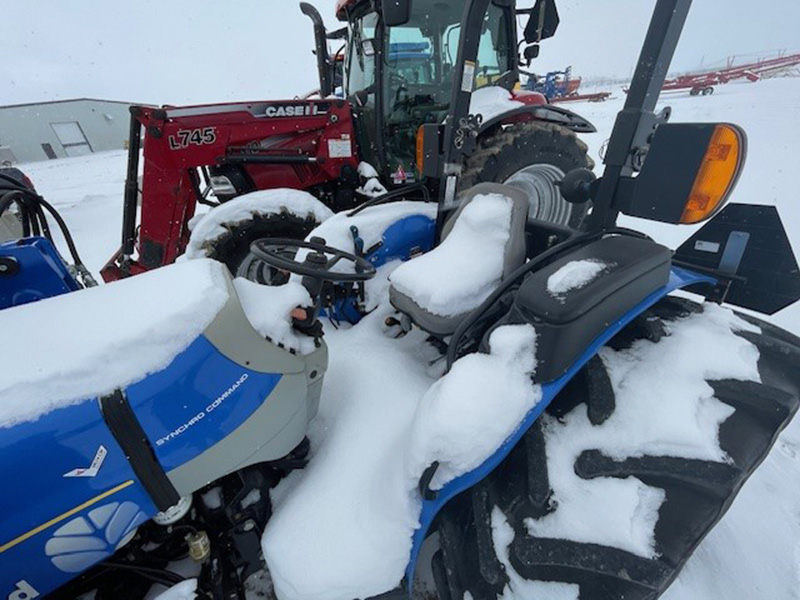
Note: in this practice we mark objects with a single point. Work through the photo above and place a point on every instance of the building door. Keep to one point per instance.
(71, 137)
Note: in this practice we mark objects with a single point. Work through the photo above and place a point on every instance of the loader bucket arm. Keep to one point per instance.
(310, 143)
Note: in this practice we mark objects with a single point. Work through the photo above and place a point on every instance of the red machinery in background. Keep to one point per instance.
(213, 154)
(703, 83)
(561, 86)
(238, 148)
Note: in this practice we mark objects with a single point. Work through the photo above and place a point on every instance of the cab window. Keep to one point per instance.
(360, 72)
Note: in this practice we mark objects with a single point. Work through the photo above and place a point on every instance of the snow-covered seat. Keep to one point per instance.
(483, 242)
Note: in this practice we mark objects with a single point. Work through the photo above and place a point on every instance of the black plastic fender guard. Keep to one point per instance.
(547, 113)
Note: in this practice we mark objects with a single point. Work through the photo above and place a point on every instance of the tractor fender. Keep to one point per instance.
(432, 504)
(546, 113)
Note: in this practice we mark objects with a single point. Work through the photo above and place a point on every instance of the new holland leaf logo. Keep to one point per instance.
(91, 470)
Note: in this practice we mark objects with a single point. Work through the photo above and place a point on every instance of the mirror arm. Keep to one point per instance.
(637, 121)
(338, 34)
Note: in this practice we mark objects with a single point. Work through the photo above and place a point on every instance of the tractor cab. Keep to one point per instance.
(399, 77)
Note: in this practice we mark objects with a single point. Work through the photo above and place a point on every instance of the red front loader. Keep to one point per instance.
(230, 150)
(391, 90)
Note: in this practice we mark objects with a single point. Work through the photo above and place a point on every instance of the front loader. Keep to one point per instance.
(212, 154)
(174, 454)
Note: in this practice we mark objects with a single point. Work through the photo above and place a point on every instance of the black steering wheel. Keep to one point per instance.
(317, 264)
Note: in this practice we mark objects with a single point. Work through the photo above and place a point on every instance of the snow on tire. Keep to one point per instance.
(609, 494)
(226, 232)
(233, 247)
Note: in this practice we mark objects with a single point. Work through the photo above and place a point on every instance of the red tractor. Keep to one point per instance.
(409, 95)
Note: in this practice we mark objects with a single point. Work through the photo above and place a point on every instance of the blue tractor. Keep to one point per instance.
(153, 428)
(555, 84)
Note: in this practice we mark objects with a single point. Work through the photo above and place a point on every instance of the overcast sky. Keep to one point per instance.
(192, 51)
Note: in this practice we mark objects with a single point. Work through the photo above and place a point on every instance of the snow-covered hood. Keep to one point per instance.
(103, 338)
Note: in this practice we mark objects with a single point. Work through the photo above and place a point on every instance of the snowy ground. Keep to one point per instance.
(754, 551)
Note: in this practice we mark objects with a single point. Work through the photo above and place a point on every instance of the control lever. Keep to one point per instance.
(317, 261)
(578, 186)
(358, 243)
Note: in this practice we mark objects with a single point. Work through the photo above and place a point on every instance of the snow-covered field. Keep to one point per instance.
(755, 551)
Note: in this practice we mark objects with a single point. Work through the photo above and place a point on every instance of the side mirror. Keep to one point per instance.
(688, 173)
(530, 53)
(543, 22)
(396, 12)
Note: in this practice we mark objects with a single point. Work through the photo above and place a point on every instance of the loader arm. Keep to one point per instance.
(299, 144)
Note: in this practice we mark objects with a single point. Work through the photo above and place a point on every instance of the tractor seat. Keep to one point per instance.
(482, 243)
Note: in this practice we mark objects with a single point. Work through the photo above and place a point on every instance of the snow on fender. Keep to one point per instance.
(492, 101)
(471, 411)
(213, 225)
(343, 527)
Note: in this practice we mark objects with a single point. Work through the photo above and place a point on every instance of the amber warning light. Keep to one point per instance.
(688, 174)
(718, 173)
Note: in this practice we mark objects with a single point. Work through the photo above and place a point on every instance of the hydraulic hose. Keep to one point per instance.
(32, 209)
(160, 576)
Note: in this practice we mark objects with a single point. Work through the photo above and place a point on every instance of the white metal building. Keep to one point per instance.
(47, 130)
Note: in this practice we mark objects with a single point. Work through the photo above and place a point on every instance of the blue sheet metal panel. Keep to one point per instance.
(403, 239)
(39, 272)
(69, 497)
(197, 401)
(679, 278)
(48, 465)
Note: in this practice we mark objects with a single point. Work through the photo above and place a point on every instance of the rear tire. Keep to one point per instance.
(697, 492)
(504, 154)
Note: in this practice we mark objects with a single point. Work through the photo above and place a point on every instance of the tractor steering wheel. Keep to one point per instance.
(317, 264)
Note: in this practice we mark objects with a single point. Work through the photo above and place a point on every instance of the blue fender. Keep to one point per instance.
(679, 278)
(405, 238)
